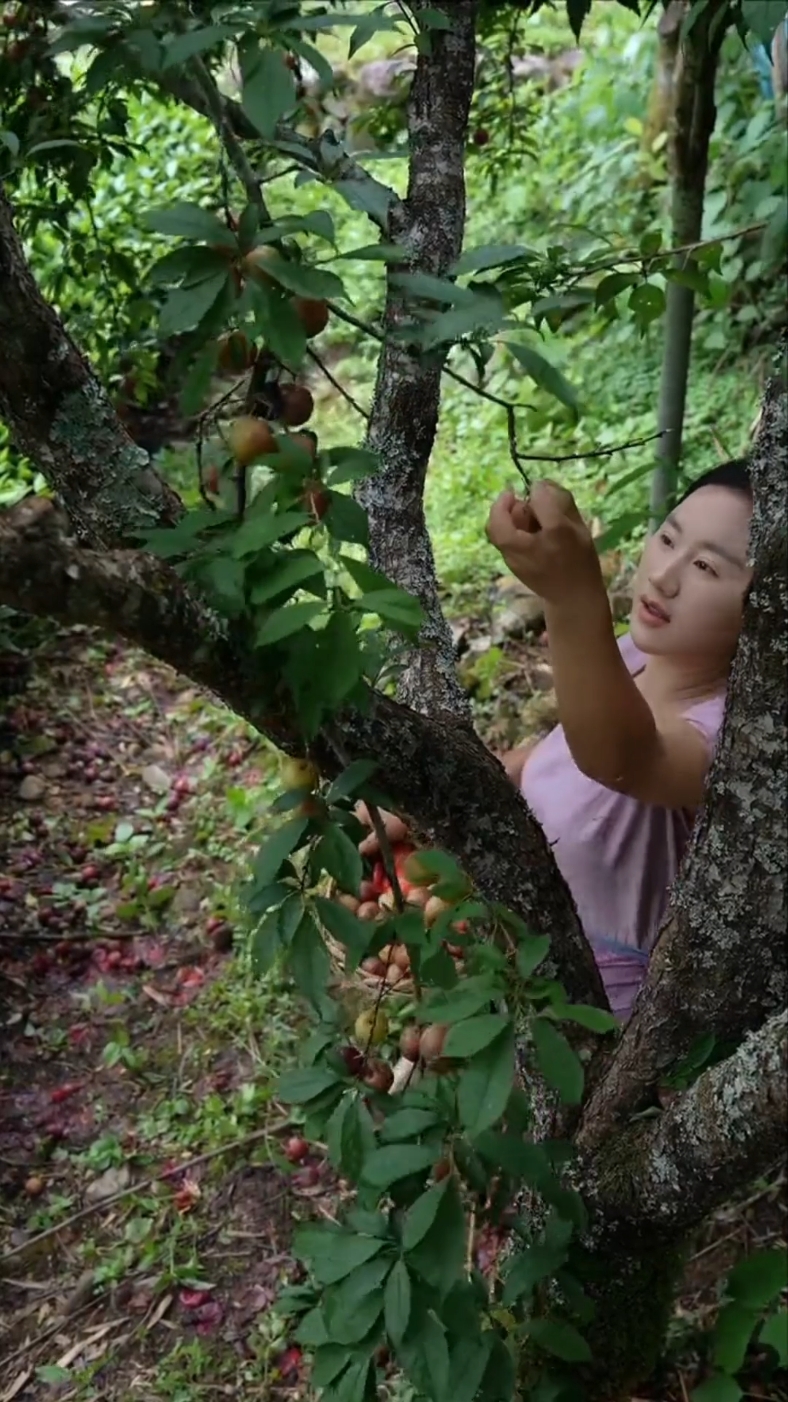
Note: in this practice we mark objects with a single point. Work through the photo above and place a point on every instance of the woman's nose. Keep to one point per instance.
(665, 579)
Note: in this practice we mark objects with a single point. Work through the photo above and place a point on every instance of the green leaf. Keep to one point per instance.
(368, 196)
(438, 289)
(421, 1216)
(300, 1086)
(349, 1295)
(308, 961)
(546, 376)
(560, 1339)
(346, 520)
(486, 1083)
(576, 12)
(367, 579)
(352, 465)
(290, 572)
(471, 996)
(530, 1267)
(561, 1068)
(647, 302)
(396, 607)
(353, 933)
(353, 778)
(467, 1367)
(467, 1038)
(304, 280)
(774, 1334)
(186, 307)
(286, 621)
(340, 857)
(762, 18)
(357, 1139)
(530, 953)
(377, 252)
(489, 255)
(182, 47)
(718, 1389)
(370, 25)
(439, 1257)
(732, 1333)
(189, 221)
(266, 945)
(518, 1157)
(397, 1302)
(758, 1280)
(263, 527)
(276, 850)
(329, 1361)
(268, 91)
(408, 1124)
(189, 264)
(424, 1355)
(393, 1162)
(333, 1254)
(353, 1386)
(595, 1019)
(312, 1330)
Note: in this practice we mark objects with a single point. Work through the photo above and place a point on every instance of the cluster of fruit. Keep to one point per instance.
(375, 900)
(419, 1048)
(290, 405)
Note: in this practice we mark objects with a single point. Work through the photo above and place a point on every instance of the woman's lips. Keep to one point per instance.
(651, 614)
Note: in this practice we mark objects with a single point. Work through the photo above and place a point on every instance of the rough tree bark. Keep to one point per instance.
(692, 124)
(646, 1182)
(429, 226)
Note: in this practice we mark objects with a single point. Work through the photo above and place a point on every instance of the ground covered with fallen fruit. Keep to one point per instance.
(149, 1181)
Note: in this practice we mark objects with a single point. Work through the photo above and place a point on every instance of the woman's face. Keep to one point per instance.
(690, 584)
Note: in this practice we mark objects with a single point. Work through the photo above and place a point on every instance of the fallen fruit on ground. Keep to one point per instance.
(368, 910)
(34, 1186)
(349, 902)
(312, 313)
(249, 438)
(371, 1028)
(296, 1149)
(409, 1042)
(300, 774)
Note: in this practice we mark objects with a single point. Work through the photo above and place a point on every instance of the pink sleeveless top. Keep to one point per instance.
(618, 857)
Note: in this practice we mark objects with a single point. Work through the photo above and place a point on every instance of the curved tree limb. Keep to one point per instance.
(710, 946)
(436, 769)
(406, 402)
(726, 1131)
(62, 418)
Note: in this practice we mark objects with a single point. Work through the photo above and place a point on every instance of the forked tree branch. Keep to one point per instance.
(436, 770)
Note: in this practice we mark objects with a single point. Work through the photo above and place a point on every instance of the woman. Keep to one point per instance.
(617, 784)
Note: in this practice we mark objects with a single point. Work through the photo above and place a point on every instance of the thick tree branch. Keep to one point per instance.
(727, 1130)
(436, 770)
(406, 403)
(61, 417)
(726, 924)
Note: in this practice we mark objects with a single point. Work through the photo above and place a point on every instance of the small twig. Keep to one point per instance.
(594, 452)
(141, 1187)
(336, 383)
(227, 136)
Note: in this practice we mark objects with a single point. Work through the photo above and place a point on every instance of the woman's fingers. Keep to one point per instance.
(396, 831)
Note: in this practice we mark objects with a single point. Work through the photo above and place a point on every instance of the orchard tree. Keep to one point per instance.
(518, 1088)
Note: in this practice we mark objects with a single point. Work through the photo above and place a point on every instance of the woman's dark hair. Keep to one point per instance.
(734, 474)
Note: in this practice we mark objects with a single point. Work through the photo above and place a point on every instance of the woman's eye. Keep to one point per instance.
(705, 567)
(665, 538)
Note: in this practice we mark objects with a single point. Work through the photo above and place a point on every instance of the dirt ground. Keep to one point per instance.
(146, 1205)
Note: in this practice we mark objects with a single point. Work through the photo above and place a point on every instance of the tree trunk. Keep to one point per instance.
(694, 115)
(61, 417)
(430, 227)
(659, 113)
